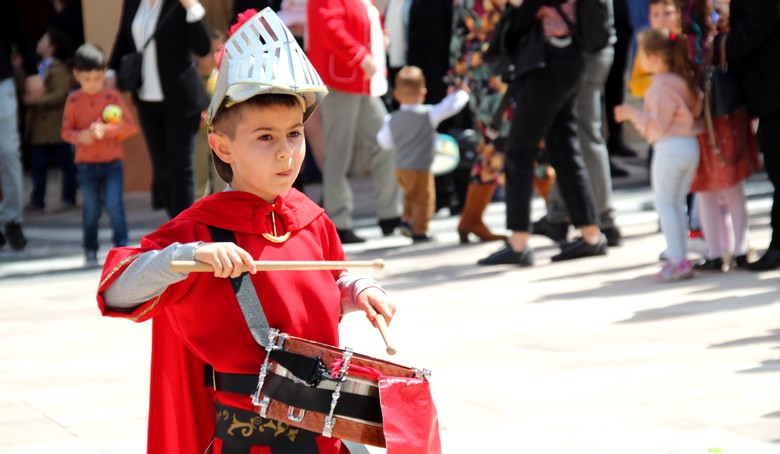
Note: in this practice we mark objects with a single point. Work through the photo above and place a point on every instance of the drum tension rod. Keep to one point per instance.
(275, 342)
(330, 421)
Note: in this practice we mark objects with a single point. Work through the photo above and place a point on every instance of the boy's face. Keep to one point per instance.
(267, 150)
(91, 82)
(665, 15)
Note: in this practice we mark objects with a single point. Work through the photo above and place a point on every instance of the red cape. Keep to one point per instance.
(198, 320)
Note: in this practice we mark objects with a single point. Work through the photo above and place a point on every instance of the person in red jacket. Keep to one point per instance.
(347, 47)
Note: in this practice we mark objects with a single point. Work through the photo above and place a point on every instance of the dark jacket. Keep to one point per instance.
(430, 32)
(12, 34)
(44, 118)
(176, 41)
(753, 45)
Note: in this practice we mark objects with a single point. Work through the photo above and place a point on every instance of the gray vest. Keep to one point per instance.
(414, 138)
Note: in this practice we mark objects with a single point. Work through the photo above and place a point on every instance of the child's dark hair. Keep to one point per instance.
(89, 57)
(60, 40)
(673, 50)
(227, 118)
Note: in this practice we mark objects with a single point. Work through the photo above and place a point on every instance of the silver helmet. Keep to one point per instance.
(262, 56)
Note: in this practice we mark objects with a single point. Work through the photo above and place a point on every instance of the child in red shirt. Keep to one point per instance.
(95, 120)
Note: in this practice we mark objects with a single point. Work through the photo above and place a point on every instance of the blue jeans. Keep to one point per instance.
(674, 166)
(39, 165)
(102, 185)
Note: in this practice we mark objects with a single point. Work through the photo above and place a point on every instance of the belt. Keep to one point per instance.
(359, 398)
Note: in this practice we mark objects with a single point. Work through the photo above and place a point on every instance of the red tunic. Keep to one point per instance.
(199, 320)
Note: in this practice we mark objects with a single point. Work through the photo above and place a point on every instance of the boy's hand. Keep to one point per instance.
(98, 130)
(85, 137)
(373, 301)
(227, 259)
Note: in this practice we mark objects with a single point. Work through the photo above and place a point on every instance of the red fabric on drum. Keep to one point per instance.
(411, 425)
(354, 369)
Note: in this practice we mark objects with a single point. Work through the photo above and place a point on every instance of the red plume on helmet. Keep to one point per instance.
(240, 20)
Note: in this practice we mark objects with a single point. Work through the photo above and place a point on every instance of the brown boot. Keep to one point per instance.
(477, 198)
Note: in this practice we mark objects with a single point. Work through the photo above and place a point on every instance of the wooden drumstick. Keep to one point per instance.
(195, 266)
(381, 324)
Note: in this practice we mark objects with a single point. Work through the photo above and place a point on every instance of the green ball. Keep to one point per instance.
(112, 114)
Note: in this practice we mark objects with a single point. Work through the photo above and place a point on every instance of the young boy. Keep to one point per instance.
(96, 120)
(256, 119)
(411, 130)
(44, 117)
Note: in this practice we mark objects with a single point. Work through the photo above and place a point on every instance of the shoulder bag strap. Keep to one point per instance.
(162, 20)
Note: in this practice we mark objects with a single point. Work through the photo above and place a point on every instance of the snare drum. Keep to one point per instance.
(298, 385)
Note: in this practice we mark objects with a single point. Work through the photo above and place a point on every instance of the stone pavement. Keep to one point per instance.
(588, 356)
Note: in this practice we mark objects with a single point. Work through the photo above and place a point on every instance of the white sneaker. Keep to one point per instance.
(675, 271)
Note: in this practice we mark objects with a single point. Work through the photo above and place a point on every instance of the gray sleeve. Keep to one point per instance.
(351, 287)
(148, 276)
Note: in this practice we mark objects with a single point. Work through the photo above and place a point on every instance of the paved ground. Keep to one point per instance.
(589, 356)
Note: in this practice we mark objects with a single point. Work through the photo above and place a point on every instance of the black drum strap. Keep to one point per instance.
(245, 294)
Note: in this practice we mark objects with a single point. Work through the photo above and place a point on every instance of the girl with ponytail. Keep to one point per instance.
(670, 121)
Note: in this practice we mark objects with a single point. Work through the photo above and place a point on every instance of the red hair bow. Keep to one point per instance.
(672, 37)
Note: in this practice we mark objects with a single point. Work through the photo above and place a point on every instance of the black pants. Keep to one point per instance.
(769, 143)
(170, 137)
(616, 85)
(546, 110)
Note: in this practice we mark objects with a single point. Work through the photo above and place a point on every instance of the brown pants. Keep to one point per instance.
(419, 198)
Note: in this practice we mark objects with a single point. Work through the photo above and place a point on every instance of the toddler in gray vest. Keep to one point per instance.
(411, 132)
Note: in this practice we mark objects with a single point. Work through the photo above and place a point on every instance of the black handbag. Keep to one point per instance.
(723, 87)
(129, 75)
(511, 52)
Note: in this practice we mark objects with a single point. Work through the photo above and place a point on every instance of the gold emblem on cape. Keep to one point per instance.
(275, 238)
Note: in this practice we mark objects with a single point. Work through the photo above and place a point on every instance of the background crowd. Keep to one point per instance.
(564, 114)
